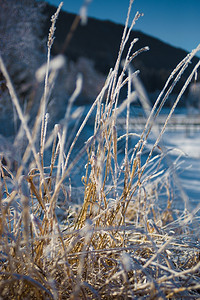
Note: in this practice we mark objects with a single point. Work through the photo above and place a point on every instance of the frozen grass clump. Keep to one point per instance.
(118, 243)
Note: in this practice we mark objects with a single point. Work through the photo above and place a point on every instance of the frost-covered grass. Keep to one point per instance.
(124, 241)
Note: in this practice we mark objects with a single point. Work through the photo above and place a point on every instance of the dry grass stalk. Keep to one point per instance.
(119, 243)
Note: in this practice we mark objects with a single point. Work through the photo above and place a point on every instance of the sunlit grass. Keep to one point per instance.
(118, 242)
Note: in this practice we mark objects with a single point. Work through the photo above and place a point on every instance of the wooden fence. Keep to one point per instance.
(177, 122)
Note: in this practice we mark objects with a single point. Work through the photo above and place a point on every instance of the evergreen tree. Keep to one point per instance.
(21, 47)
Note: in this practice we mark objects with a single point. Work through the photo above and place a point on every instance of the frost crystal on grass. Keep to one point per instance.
(83, 12)
(126, 261)
(56, 63)
(119, 242)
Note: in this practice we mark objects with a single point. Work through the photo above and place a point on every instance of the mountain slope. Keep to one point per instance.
(100, 41)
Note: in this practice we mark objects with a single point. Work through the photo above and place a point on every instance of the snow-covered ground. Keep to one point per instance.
(183, 143)
(189, 172)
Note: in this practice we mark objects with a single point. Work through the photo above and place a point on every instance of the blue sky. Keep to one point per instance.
(176, 22)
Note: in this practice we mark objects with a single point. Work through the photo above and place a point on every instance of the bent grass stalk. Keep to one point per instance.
(119, 243)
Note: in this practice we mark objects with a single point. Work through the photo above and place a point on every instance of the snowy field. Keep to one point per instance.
(184, 146)
(189, 171)
(181, 143)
